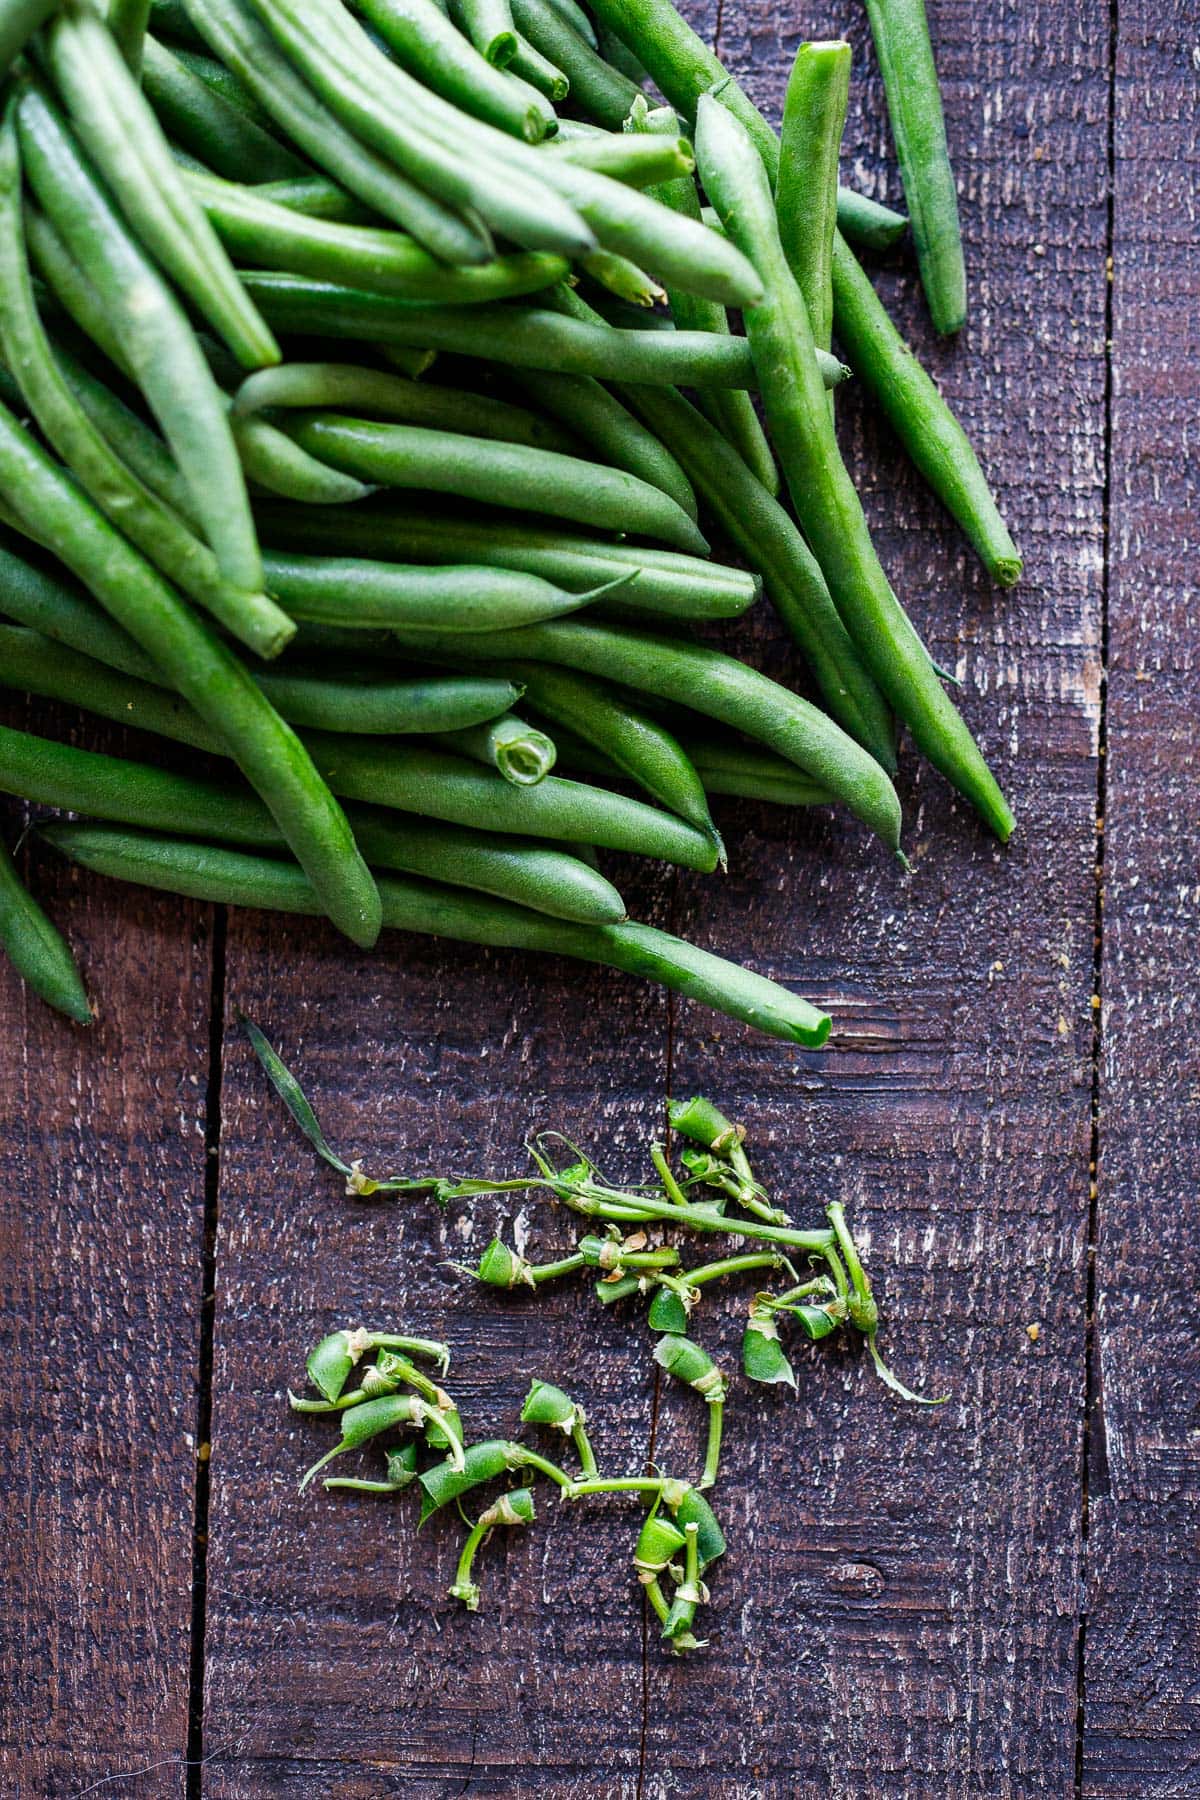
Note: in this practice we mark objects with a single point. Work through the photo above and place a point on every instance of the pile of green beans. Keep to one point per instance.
(342, 445)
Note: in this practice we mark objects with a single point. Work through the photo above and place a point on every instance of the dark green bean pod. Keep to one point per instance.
(598, 90)
(500, 474)
(717, 685)
(826, 501)
(153, 799)
(929, 431)
(121, 134)
(36, 948)
(667, 583)
(866, 223)
(154, 335)
(248, 50)
(725, 766)
(229, 876)
(354, 591)
(19, 21)
(373, 394)
(265, 235)
(597, 416)
(278, 465)
(517, 750)
(424, 42)
(211, 127)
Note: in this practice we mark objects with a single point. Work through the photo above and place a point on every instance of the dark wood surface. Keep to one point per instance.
(996, 1599)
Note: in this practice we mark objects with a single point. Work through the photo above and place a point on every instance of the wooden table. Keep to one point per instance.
(996, 1599)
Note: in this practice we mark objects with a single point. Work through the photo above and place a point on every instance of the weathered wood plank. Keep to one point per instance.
(101, 1239)
(1143, 1644)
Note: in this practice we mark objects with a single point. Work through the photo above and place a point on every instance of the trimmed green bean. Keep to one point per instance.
(867, 223)
(638, 162)
(538, 72)
(424, 42)
(716, 685)
(121, 134)
(230, 876)
(608, 426)
(826, 502)
(518, 751)
(153, 799)
(202, 670)
(901, 33)
(598, 90)
(488, 25)
(507, 475)
(203, 121)
(814, 114)
(19, 20)
(667, 583)
(36, 948)
(154, 334)
(248, 50)
(935, 441)
(375, 395)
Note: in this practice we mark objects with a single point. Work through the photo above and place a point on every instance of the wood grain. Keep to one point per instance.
(1143, 1644)
(101, 1240)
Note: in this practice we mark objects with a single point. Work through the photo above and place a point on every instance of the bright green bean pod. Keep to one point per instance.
(203, 121)
(356, 591)
(36, 948)
(229, 876)
(280, 466)
(598, 90)
(425, 43)
(248, 50)
(640, 748)
(814, 114)
(935, 441)
(257, 232)
(538, 72)
(500, 474)
(714, 684)
(153, 799)
(488, 25)
(867, 223)
(154, 333)
(622, 278)
(515, 749)
(202, 671)
(668, 584)
(637, 162)
(19, 20)
(371, 394)
(121, 134)
(901, 33)
(827, 504)
(610, 428)
(127, 21)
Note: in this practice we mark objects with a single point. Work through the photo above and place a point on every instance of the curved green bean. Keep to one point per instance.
(36, 948)
(538, 72)
(935, 441)
(603, 422)
(868, 223)
(622, 278)
(424, 42)
(153, 799)
(203, 121)
(635, 161)
(206, 872)
(826, 502)
(153, 332)
(518, 751)
(281, 466)
(507, 475)
(806, 192)
(725, 765)
(667, 583)
(356, 591)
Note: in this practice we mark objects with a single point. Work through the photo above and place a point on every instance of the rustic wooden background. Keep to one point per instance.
(995, 1600)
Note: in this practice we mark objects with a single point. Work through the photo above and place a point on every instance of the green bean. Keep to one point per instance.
(574, 15)
(19, 20)
(375, 395)
(169, 19)
(638, 747)
(220, 80)
(70, 290)
(425, 43)
(921, 419)
(667, 584)
(36, 948)
(279, 466)
(140, 794)
(140, 514)
(725, 766)
(488, 24)
(518, 751)
(123, 138)
(716, 685)
(598, 90)
(154, 335)
(638, 162)
(201, 669)
(413, 362)
(523, 337)
(264, 235)
(230, 876)
(137, 444)
(730, 411)
(760, 529)
(317, 197)
(210, 126)
(814, 114)
(326, 590)
(127, 21)
(507, 475)
(609, 428)
(866, 223)
(419, 133)
(247, 48)
(622, 278)
(827, 505)
(914, 101)
(538, 72)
